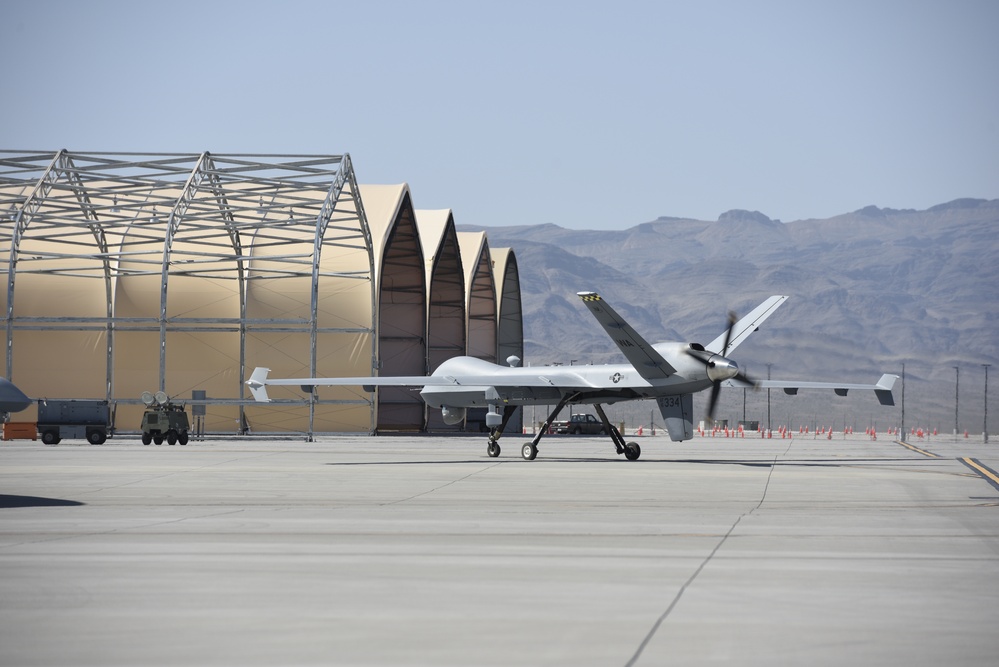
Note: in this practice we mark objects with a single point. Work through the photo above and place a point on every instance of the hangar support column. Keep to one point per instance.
(61, 168)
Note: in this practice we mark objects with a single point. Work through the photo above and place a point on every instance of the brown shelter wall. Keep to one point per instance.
(402, 321)
(482, 311)
(446, 321)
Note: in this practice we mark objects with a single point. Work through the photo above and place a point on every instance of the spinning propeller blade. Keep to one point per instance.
(712, 362)
(732, 319)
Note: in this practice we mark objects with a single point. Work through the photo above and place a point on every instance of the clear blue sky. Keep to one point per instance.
(584, 114)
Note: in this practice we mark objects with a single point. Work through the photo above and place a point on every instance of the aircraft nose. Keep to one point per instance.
(720, 368)
(12, 399)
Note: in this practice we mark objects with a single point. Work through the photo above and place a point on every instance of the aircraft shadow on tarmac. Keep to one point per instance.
(811, 463)
(819, 463)
(10, 502)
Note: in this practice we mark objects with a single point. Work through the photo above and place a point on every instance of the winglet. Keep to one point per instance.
(258, 384)
(884, 387)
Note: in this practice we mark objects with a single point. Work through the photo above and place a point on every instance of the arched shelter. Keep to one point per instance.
(445, 295)
(480, 295)
(402, 303)
(510, 313)
(179, 272)
(446, 287)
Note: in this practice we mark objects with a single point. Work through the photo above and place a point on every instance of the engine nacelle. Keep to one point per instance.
(451, 415)
(719, 368)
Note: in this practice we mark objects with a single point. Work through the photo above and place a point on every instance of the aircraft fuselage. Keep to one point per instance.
(603, 383)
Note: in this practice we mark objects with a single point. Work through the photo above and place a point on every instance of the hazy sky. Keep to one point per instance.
(582, 114)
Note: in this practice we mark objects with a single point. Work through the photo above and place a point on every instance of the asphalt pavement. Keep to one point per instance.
(424, 551)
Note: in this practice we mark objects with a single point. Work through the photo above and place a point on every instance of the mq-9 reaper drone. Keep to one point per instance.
(671, 373)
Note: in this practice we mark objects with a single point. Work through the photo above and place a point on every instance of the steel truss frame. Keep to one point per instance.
(83, 205)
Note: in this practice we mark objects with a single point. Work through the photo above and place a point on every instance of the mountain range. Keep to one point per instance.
(870, 291)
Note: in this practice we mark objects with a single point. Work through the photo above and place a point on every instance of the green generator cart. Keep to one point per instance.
(163, 420)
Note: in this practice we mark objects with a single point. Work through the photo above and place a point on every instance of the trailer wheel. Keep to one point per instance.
(50, 437)
(96, 437)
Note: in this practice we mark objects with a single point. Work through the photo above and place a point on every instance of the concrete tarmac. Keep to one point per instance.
(425, 551)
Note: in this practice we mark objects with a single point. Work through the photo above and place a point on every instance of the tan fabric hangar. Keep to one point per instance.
(180, 273)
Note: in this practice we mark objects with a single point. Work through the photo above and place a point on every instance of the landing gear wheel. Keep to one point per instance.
(147, 438)
(493, 449)
(529, 451)
(632, 451)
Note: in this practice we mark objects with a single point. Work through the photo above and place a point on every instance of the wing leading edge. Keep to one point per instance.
(472, 373)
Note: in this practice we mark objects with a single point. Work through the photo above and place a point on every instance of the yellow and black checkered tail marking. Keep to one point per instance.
(589, 296)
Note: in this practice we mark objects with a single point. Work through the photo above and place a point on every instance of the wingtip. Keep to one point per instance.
(258, 384)
(887, 381)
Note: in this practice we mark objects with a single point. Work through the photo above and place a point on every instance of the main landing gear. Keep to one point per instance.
(529, 451)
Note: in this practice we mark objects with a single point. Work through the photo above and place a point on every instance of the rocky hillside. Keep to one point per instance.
(870, 290)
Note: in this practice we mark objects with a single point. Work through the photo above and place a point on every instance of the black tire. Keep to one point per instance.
(493, 449)
(632, 451)
(158, 438)
(171, 437)
(96, 437)
(529, 451)
(577, 431)
(51, 437)
(147, 438)
(182, 437)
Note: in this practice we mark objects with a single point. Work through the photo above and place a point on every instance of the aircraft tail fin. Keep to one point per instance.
(258, 384)
(678, 414)
(742, 329)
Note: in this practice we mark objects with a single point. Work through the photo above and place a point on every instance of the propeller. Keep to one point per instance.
(719, 367)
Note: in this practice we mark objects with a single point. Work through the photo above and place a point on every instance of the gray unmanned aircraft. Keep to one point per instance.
(670, 372)
(12, 399)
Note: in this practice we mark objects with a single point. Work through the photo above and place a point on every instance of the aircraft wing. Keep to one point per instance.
(882, 388)
(747, 325)
(650, 364)
(538, 376)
